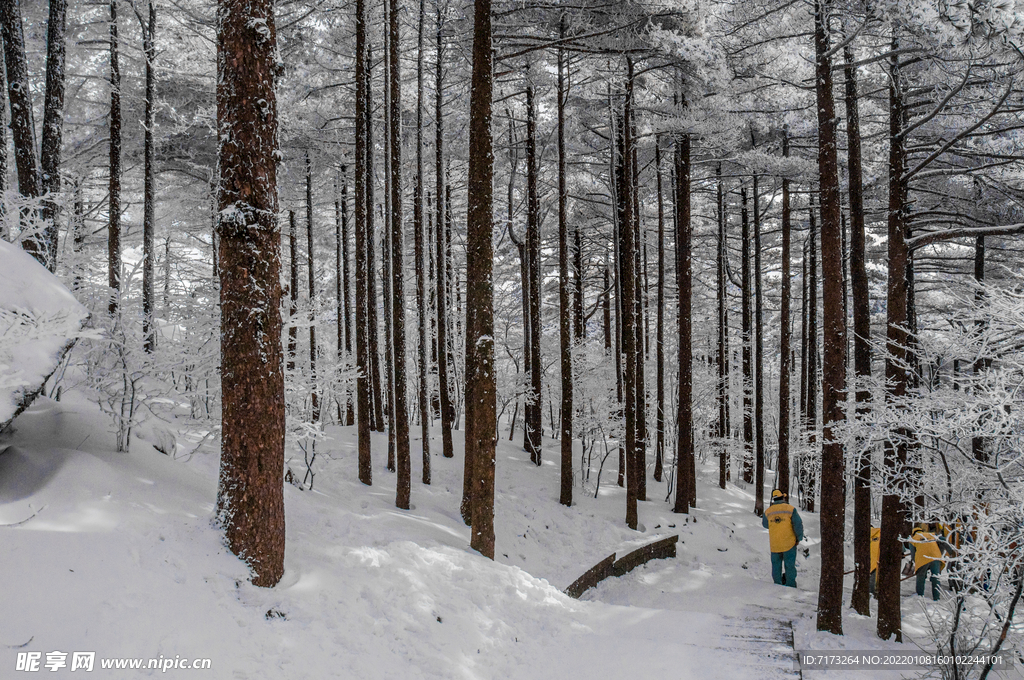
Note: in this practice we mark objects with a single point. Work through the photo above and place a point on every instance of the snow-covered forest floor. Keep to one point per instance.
(118, 556)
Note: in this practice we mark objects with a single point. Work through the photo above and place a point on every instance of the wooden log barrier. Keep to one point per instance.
(609, 566)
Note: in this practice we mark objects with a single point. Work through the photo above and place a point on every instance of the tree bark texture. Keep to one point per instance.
(684, 283)
(534, 427)
(362, 209)
(861, 599)
(833, 384)
(250, 498)
(442, 251)
(564, 294)
(22, 120)
(53, 117)
(481, 389)
(51, 174)
(397, 301)
(896, 375)
(785, 351)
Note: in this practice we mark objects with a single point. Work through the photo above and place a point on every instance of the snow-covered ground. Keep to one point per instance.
(115, 554)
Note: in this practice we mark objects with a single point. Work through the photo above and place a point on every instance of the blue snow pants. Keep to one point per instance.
(789, 559)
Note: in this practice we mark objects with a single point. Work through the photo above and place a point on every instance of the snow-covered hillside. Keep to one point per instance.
(115, 554)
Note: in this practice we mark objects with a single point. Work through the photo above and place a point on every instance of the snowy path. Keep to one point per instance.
(673, 644)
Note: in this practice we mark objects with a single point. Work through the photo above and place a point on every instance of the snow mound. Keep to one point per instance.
(39, 321)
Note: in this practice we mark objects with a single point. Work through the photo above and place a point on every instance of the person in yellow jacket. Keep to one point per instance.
(926, 549)
(876, 536)
(785, 530)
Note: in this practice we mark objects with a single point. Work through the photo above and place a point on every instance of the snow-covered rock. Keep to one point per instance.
(39, 321)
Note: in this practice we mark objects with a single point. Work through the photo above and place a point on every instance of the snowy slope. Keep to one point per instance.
(114, 553)
(38, 319)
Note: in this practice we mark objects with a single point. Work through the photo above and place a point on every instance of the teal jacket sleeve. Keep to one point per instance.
(798, 526)
(764, 521)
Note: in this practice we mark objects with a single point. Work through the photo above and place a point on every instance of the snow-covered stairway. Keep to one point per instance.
(674, 644)
(768, 639)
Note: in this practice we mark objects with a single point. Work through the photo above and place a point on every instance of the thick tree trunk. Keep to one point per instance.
(896, 375)
(397, 301)
(53, 124)
(149, 191)
(785, 352)
(442, 251)
(565, 310)
(250, 498)
(833, 385)
(22, 122)
(534, 427)
(420, 252)
(861, 599)
(362, 210)
(684, 415)
(481, 394)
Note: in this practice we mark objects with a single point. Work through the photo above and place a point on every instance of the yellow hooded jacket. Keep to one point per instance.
(926, 549)
(781, 533)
